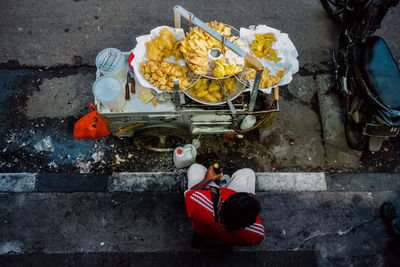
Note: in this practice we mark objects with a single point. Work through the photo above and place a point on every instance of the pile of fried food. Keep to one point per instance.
(267, 80)
(162, 74)
(262, 47)
(223, 69)
(159, 72)
(196, 45)
(211, 91)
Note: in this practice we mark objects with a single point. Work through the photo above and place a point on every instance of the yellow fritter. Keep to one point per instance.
(267, 80)
(162, 75)
(223, 69)
(210, 90)
(162, 46)
(262, 47)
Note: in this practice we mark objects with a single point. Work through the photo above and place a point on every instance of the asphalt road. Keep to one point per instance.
(49, 33)
(47, 69)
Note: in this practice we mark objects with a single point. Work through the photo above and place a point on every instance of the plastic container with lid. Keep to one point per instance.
(225, 180)
(184, 156)
(111, 61)
(110, 92)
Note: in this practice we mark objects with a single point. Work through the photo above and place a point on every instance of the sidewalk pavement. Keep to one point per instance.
(332, 221)
(177, 182)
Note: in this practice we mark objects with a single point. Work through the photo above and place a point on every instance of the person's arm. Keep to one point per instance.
(210, 177)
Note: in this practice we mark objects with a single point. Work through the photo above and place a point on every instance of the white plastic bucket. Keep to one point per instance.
(184, 156)
(110, 92)
(118, 67)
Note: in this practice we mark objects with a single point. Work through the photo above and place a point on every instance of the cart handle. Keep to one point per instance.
(276, 93)
(253, 62)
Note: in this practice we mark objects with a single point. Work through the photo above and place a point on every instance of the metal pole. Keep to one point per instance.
(177, 19)
(254, 91)
(179, 98)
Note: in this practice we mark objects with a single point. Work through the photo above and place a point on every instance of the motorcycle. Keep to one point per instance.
(366, 73)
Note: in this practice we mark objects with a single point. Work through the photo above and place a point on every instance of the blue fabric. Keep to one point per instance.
(380, 70)
(396, 225)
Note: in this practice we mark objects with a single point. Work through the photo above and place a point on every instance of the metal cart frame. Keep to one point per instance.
(185, 115)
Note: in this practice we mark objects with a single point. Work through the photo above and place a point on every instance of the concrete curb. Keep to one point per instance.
(17, 182)
(176, 181)
(291, 181)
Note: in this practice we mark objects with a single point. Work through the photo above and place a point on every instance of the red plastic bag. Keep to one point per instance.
(90, 126)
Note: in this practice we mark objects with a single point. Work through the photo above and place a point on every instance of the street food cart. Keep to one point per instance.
(235, 106)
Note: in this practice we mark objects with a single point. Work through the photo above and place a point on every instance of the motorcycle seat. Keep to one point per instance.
(380, 71)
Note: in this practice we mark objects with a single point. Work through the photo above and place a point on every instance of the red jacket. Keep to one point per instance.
(201, 212)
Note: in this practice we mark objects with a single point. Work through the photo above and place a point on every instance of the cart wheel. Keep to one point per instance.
(354, 130)
(354, 134)
(161, 139)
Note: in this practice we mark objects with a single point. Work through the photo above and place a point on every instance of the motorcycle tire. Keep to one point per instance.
(331, 7)
(354, 134)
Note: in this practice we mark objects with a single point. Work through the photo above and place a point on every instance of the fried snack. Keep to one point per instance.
(176, 52)
(210, 90)
(202, 90)
(223, 69)
(220, 28)
(144, 94)
(266, 79)
(159, 73)
(154, 102)
(196, 44)
(163, 47)
(198, 63)
(229, 85)
(262, 47)
(162, 75)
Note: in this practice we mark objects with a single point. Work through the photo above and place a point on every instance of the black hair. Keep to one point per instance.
(238, 211)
